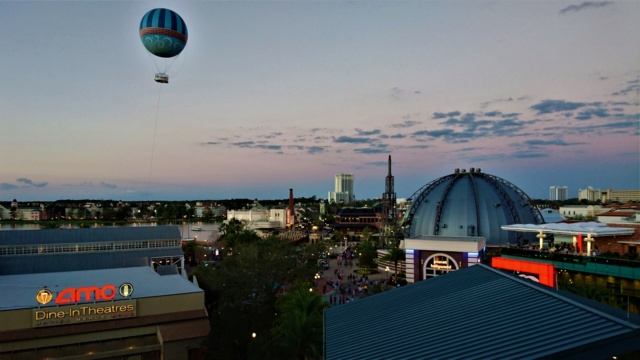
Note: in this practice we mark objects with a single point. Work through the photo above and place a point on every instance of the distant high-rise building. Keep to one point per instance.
(343, 189)
(589, 194)
(558, 193)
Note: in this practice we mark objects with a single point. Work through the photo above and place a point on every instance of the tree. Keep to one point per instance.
(366, 254)
(395, 255)
(49, 225)
(298, 329)
(190, 252)
(241, 293)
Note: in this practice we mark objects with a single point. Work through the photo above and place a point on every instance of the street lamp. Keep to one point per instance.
(317, 277)
(387, 270)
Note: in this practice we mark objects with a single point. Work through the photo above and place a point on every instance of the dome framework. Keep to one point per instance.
(471, 204)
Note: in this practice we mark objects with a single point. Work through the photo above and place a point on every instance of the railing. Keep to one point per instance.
(569, 258)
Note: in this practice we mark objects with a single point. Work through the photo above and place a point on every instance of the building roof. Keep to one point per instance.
(27, 263)
(596, 229)
(78, 236)
(477, 313)
(470, 204)
(19, 291)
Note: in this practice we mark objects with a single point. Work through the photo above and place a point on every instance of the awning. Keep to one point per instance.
(594, 228)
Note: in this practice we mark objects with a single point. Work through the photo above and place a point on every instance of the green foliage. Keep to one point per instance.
(366, 254)
(395, 255)
(50, 225)
(241, 294)
(298, 330)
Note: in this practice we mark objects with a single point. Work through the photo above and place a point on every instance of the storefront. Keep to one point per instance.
(431, 256)
(100, 314)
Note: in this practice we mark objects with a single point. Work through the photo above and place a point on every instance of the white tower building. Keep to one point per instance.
(558, 193)
(343, 189)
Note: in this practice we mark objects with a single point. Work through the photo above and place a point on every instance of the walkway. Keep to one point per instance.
(332, 275)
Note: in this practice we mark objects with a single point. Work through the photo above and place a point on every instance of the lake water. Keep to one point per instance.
(194, 230)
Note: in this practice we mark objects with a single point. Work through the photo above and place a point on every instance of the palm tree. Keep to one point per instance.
(396, 255)
(298, 330)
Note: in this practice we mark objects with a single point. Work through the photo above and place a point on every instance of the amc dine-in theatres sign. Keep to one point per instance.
(98, 305)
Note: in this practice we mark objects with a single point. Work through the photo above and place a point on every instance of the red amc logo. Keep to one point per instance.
(73, 295)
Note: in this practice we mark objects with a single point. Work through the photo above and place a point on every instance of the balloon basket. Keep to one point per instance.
(162, 78)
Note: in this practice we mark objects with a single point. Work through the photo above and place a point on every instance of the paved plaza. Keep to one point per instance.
(349, 284)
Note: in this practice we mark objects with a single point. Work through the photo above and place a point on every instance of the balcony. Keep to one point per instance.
(587, 264)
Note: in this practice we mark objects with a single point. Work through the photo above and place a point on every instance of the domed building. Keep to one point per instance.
(472, 204)
(452, 220)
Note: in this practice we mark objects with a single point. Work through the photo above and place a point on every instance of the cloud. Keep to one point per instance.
(377, 163)
(271, 135)
(29, 182)
(398, 93)
(587, 114)
(405, 124)
(551, 106)
(439, 115)
(244, 144)
(7, 186)
(367, 133)
(371, 150)
(554, 142)
(351, 140)
(509, 99)
(633, 86)
(585, 5)
(108, 186)
(269, 147)
(315, 149)
(528, 155)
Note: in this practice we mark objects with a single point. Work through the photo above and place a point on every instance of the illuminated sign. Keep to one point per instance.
(440, 264)
(544, 272)
(44, 296)
(76, 314)
(84, 294)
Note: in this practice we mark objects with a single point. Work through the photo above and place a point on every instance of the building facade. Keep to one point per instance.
(558, 193)
(105, 293)
(589, 194)
(258, 217)
(621, 196)
(344, 193)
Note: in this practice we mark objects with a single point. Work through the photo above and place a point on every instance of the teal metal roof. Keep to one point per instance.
(19, 291)
(116, 233)
(477, 313)
(12, 263)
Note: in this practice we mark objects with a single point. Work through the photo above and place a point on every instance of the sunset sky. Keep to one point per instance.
(273, 95)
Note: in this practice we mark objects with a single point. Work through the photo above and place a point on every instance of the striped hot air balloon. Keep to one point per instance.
(163, 34)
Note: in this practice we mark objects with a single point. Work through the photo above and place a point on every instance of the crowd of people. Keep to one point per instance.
(346, 284)
(562, 248)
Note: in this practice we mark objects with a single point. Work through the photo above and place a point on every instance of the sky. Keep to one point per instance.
(276, 95)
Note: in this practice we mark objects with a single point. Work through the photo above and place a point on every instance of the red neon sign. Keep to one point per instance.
(545, 272)
(73, 295)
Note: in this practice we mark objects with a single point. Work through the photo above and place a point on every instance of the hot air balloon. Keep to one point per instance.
(164, 35)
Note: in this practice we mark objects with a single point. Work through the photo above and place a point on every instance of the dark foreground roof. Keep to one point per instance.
(477, 313)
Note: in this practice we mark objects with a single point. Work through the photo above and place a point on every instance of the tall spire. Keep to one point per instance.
(389, 212)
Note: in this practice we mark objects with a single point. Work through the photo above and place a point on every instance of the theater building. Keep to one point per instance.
(430, 256)
(130, 300)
